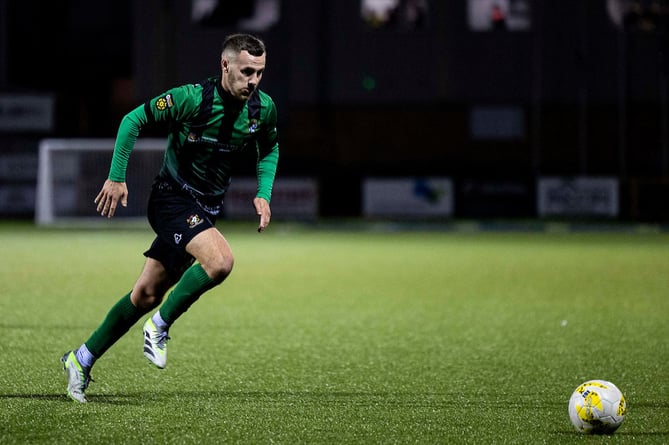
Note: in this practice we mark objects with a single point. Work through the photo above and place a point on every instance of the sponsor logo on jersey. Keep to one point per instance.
(177, 238)
(213, 143)
(194, 220)
(165, 102)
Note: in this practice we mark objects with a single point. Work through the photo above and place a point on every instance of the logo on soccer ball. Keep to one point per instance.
(194, 220)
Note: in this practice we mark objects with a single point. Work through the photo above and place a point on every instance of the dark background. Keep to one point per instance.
(354, 101)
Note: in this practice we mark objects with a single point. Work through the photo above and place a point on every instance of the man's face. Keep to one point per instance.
(241, 73)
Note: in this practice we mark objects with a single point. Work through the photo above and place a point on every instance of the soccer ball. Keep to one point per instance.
(597, 407)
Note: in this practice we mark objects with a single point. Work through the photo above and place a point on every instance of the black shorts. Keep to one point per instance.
(176, 217)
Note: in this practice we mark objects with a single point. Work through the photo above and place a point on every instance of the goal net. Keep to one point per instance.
(72, 171)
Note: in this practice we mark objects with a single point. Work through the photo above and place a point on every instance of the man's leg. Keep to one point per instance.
(214, 263)
(147, 293)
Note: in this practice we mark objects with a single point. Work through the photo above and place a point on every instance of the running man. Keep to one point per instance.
(210, 126)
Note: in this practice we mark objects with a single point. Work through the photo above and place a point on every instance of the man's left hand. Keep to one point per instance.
(263, 211)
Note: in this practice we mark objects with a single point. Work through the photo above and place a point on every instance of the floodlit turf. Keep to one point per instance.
(334, 336)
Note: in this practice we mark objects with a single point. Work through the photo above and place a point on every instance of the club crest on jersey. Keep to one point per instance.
(253, 125)
(165, 102)
(194, 220)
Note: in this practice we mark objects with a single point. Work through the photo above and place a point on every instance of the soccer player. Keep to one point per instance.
(211, 125)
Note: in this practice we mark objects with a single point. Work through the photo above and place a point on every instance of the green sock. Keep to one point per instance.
(120, 318)
(192, 284)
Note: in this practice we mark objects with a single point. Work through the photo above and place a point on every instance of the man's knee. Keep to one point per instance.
(144, 298)
(212, 251)
(218, 269)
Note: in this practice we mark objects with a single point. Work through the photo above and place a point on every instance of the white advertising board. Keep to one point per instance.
(408, 197)
(580, 196)
(292, 198)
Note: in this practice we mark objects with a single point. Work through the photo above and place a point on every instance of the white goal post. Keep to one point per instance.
(71, 172)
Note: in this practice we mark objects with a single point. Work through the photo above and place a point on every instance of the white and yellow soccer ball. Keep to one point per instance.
(597, 407)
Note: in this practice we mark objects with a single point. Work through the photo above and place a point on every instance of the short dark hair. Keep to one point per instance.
(244, 42)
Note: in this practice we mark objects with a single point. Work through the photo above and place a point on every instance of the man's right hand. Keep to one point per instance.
(109, 197)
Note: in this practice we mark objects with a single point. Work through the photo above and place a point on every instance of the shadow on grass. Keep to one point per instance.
(322, 397)
(109, 399)
(55, 397)
(571, 433)
(358, 398)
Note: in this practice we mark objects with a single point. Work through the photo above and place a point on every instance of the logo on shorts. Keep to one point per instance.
(177, 238)
(194, 220)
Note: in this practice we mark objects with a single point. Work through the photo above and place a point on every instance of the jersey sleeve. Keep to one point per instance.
(268, 155)
(176, 105)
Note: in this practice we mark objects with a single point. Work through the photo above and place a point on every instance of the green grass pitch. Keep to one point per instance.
(325, 336)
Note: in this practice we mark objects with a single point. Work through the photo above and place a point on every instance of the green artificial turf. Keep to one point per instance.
(335, 336)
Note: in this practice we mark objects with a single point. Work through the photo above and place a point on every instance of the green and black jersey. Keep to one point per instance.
(208, 129)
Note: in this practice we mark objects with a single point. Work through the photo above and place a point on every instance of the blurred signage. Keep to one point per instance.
(397, 14)
(17, 184)
(408, 197)
(292, 198)
(499, 15)
(18, 167)
(495, 198)
(493, 123)
(581, 196)
(17, 199)
(251, 15)
(20, 113)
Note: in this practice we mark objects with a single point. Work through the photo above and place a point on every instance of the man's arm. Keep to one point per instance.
(127, 134)
(268, 158)
(160, 108)
(115, 190)
(266, 171)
